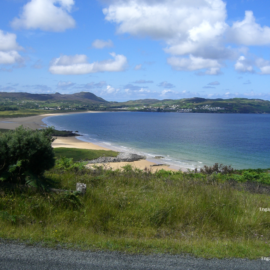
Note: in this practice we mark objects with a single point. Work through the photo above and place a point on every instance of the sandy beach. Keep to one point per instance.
(35, 122)
(73, 142)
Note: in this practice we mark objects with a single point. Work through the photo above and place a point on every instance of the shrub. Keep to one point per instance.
(25, 155)
(67, 164)
(216, 168)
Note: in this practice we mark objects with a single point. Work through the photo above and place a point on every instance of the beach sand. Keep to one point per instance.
(35, 122)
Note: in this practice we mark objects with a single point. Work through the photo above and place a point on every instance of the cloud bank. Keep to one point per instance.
(195, 31)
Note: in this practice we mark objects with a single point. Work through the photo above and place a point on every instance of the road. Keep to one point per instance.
(22, 257)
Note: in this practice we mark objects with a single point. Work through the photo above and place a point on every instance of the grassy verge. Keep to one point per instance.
(137, 211)
(82, 154)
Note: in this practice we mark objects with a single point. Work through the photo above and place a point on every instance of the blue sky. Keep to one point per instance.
(136, 49)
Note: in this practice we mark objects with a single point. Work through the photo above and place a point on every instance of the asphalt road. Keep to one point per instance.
(22, 257)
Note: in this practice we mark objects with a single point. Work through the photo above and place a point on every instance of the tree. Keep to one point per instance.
(25, 155)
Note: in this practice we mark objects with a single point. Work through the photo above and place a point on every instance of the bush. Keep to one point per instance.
(216, 168)
(67, 164)
(25, 155)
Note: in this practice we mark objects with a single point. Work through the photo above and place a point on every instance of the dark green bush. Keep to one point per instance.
(25, 155)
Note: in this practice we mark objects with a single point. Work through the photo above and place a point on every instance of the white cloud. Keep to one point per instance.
(100, 44)
(143, 90)
(9, 49)
(248, 32)
(167, 91)
(10, 57)
(78, 64)
(65, 85)
(110, 90)
(243, 65)
(263, 65)
(195, 63)
(47, 15)
(166, 85)
(138, 67)
(8, 42)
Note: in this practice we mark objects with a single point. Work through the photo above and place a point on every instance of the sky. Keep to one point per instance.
(136, 49)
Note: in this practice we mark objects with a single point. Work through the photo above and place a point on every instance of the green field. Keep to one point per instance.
(82, 154)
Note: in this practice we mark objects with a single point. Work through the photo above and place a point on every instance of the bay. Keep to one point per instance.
(186, 140)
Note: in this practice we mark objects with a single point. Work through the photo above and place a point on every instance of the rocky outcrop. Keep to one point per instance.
(122, 157)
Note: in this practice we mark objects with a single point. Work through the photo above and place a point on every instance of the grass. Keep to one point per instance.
(137, 211)
(82, 154)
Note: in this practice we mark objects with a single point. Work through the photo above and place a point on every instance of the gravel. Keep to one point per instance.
(23, 257)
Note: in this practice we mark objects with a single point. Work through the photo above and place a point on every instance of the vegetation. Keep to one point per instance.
(64, 133)
(198, 105)
(206, 214)
(25, 104)
(25, 155)
(82, 154)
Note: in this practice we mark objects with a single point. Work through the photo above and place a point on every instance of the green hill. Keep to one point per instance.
(18, 104)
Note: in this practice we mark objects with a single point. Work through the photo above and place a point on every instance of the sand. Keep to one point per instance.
(73, 142)
(35, 122)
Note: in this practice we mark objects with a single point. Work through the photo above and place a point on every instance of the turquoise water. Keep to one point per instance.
(184, 140)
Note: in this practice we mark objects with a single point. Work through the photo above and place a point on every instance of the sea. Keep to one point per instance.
(183, 140)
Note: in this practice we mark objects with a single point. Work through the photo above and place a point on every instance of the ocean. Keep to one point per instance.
(184, 140)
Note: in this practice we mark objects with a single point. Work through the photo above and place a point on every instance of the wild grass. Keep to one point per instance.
(137, 211)
(82, 154)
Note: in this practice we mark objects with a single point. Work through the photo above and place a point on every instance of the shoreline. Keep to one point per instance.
(35, 122)
(32, 122)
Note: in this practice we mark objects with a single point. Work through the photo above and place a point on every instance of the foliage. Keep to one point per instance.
(25, 155)
(67, 164)
(247, 176)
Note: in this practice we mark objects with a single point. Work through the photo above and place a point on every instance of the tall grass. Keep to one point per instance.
(138, 211)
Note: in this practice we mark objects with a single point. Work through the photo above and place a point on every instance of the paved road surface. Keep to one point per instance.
(21, 257)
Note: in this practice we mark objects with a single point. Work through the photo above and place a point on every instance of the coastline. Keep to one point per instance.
(35, 122)
(32, 122)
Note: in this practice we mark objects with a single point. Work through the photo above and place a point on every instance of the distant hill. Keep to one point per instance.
(81, 97)
(197, 105)
(36, 103)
